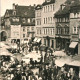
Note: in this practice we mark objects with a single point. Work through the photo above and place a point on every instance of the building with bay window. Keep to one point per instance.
(62, 27)
(46, 22)
(74, 28)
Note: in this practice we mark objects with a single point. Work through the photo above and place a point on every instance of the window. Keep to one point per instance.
(53, 31)
(27, 34)
(28, 20)
(23, 20)
(23, 35)
(51, 19)
(74, 30)
(44, 20)
(53, 7)
(40, 31)
(37, 31)
(14, 12)
(48, 8)
(27, 28)
(66, 31)
(44, 9)
(32, 28)
(48, 19)
(23, 28)
(44, 31)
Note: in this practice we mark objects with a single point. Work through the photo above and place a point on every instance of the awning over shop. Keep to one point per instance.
(38, 40)
(73, 44)
(35, 39)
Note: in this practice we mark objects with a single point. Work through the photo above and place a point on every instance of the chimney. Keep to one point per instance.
(34, 5)
(13, 6)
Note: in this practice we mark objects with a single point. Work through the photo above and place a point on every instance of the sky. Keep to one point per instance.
(7, 4)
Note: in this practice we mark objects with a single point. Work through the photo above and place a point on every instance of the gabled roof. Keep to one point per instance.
(38, 7)
(22, 11)
(46, 3)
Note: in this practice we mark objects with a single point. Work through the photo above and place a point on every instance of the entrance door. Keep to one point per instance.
(52, 44)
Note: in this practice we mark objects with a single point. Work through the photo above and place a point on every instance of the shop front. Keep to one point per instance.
(73, 48)
(62, 43)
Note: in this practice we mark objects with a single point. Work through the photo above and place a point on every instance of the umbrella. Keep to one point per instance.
(59, 53)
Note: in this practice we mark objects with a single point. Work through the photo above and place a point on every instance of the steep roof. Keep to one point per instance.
(63, 11)
(66, 10)
(22, 11)
(25, 11)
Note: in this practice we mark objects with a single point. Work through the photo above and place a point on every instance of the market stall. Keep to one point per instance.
(59, 53)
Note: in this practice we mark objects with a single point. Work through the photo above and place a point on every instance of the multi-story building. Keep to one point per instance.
(46, 21)
(62, 27)
(17, 22)
(38, 24)
(74, 28)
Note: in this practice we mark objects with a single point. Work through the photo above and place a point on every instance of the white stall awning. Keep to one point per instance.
(73, 44)
(39, 40)
(35, 39)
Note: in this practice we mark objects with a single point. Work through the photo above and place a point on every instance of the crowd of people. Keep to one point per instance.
(47, 70)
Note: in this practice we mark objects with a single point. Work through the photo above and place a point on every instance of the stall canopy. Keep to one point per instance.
(35, 39)
(5, 53)
(74, 63)
(62, 61)
(73, 44)
(38, 40)
(59, 53)
(77, 57)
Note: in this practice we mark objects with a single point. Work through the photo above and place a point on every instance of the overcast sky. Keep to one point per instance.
(7, 4)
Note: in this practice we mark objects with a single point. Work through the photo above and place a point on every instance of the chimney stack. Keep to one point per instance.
(13, 6)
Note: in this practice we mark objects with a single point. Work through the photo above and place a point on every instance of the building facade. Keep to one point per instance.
(62, 27)
(47, 30)
(38, 22)
(18, 20)
(74, 28)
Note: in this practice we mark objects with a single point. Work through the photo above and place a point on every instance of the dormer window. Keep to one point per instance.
(28, 20)
(24, 20)
(14, 12)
